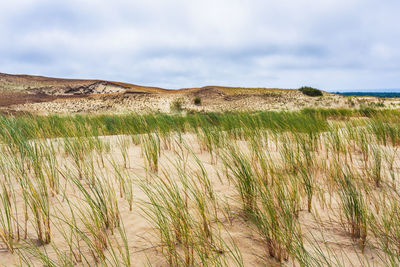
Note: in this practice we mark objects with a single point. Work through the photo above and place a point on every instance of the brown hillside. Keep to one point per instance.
(44, 95)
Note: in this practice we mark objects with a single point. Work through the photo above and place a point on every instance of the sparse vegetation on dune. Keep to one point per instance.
(315, 187)
(46, 96)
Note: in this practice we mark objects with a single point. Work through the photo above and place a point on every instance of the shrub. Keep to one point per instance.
(309, 91)
(197, 101)
(176, 105)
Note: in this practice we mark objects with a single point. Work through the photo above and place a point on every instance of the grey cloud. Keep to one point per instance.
(177, 43)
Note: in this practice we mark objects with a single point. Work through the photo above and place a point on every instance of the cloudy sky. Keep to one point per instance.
(329, 44)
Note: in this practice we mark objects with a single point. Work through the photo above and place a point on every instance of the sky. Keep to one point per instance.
(328, 44)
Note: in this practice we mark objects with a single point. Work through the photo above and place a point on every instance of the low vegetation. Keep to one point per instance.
(316, 187)
(310, 91)
(176, 105)
(197, 101)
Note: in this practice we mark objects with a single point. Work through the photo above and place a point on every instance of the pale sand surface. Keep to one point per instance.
(288, 100)
(143, 240)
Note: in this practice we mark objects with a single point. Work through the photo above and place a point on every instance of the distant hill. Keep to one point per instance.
(45, 95)
(82, 87)
(59, 86)
(23, 89)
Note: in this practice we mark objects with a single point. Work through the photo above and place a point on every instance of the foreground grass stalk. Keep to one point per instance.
(353, 206)
(151, 151)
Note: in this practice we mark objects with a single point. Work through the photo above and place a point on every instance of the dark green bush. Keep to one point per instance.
(197, 101)
(309, 91)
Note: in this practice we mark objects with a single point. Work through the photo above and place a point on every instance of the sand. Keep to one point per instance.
(322, 225)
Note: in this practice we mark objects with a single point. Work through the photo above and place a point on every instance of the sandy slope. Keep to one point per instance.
(210, 102)
(43, 95)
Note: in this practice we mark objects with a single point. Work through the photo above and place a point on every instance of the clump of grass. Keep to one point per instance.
(9, 229)
(123, 143)
(376, 172)
(269, 200)
(101, 214)
(240, 172)
(353, 205)
(276, 218)
(385, 225)
(151, 150)
(125, 184)
(176, 105)
(308, 185)
(182, 212)
(368, 111)
(81, 239)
